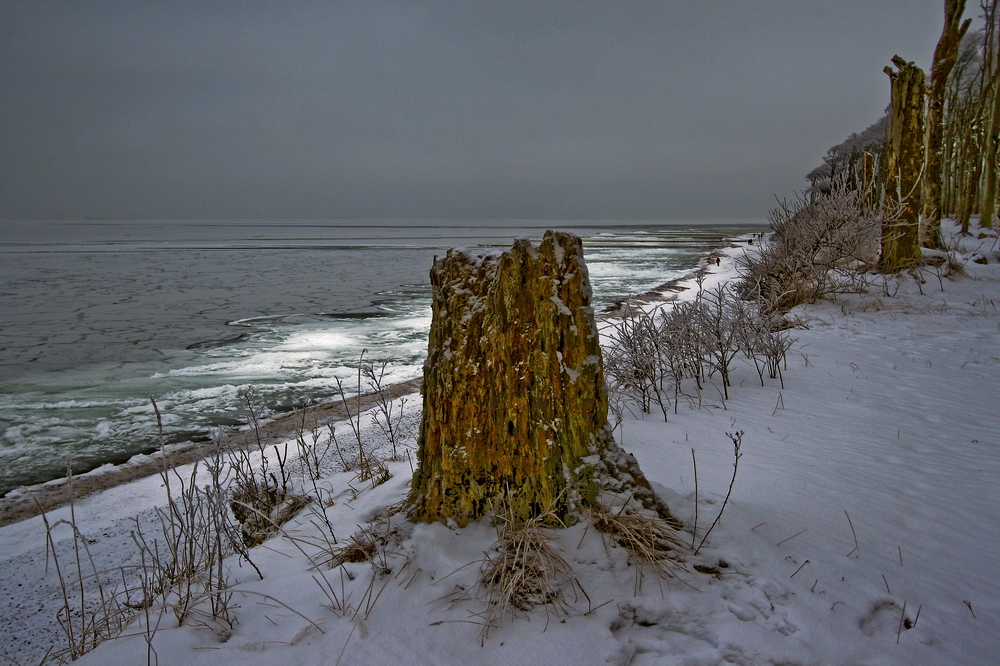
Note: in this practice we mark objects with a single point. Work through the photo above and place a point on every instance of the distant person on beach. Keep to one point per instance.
(718, 261)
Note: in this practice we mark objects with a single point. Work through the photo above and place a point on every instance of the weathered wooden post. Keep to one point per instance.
(514, 403)
(901, 235)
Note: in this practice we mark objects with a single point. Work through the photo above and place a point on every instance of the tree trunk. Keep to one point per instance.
(965, 160)
(514, 403)
(990, 157)
(944, 60)
(868, 181)
(971, 194)
(900, 236)
(990, 103)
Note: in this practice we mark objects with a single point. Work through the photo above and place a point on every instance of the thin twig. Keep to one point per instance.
(853, 533)
(799, 569)
(792, 537)
(694, 531)
(737, 439)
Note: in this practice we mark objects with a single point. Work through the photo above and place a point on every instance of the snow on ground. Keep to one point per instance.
(869, 483)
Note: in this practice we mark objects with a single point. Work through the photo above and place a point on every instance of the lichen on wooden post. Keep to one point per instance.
(514, 403)
(901, 235)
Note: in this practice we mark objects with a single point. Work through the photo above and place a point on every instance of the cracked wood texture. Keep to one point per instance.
(900, 236)
(514, 403)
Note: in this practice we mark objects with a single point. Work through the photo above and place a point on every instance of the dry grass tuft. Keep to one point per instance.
(525, 572)
(648, 539)
(375, 543)
(262, 510)
(360, 547)
(372, 468)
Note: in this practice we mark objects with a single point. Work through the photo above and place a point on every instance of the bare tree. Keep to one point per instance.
(992, 103)
(945, 55)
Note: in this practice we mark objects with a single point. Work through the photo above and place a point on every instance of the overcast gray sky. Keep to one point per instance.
(554, 109)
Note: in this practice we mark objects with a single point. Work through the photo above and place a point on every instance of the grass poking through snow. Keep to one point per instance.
(525, 571)
(649, 541)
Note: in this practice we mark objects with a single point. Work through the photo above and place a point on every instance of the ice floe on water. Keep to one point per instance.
(192, 313)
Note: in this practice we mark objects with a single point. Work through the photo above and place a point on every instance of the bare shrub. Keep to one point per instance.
(183, 566)
(261, 497)
(313, 451)
(765, 341)
(91, 611)
(180, 567)
(819, 246)
(633, 360)
(388, 413)
(651, 354)
(721, 320)
(345, 464)
(370, 466)
(680, 334)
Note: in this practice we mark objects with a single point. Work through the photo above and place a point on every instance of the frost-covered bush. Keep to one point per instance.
(651, 354)
(818, 247)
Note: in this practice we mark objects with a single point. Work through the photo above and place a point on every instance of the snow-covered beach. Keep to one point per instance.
(861, 527)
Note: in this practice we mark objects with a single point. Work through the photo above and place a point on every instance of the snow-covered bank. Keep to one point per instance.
(870, 482)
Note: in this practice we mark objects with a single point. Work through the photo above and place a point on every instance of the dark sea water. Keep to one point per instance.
(97, 316)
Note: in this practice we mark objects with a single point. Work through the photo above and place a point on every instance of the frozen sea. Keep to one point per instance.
(97, 316)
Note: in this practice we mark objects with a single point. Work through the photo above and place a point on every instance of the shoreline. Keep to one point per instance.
(28, 501)
(668, 291)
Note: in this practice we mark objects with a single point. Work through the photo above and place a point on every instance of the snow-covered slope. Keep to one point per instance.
(869, 483)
